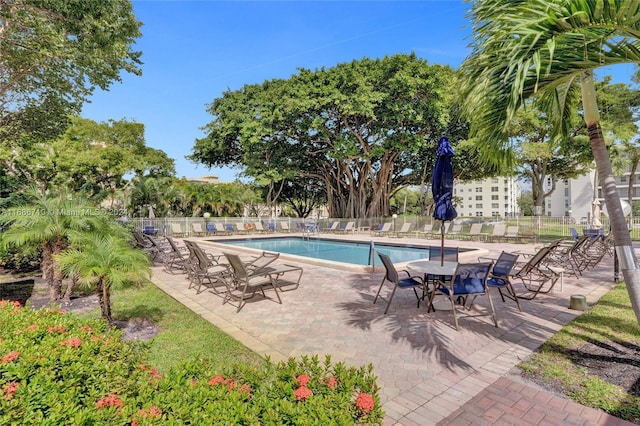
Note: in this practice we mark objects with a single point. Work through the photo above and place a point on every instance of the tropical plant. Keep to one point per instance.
(48, 221)
(104, 259)
(545, 48)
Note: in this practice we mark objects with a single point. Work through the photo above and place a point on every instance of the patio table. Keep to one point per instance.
(445, 271)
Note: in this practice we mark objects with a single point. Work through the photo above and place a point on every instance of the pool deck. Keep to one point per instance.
(429, 373)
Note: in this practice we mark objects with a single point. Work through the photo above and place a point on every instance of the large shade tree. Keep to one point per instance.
(53, 54)
(528, 47)
(357, 128)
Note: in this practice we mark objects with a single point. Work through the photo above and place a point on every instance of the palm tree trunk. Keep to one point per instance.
(620, 230)
(105, 300)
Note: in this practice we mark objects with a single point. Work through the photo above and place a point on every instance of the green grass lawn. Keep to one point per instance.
(184, 335)
(609, 324)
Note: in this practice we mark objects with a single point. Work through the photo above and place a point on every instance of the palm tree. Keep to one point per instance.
(48, 221)
(105, 260)
(545, 47)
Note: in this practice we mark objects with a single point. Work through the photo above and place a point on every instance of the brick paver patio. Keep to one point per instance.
(429, 372)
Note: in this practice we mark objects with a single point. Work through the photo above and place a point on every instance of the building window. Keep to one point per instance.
(494, 180)
(495, 205)
(478, 197)
(479, 214)
(479, 189)
(479, 206)
(494, 197)
(623, 179)
(494, 189)
(566, 192)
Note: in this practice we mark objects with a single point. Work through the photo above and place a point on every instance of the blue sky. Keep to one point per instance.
(195, 50)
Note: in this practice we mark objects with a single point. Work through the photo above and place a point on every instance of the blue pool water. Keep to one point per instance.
(357, 253)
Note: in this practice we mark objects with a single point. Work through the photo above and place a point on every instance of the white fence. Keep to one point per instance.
(544, 227)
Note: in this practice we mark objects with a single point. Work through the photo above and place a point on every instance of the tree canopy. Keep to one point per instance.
(53, 53)
(363, 129)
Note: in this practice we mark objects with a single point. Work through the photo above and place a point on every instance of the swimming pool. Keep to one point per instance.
(352, 252)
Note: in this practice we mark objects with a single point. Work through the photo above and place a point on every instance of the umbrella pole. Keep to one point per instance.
(442, 243)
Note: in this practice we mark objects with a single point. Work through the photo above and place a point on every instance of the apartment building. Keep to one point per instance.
(574, 197)
(491, 197)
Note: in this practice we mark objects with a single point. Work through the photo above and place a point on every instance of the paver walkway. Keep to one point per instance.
(429, 372)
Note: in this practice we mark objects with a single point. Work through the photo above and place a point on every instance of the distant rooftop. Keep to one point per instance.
(204, 179)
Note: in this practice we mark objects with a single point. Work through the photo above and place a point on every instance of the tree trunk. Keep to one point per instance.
(105, 301)
(69, 290)
(619, 229)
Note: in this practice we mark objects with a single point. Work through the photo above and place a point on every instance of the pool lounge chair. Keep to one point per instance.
(404, 229)
(242, 284)
(537, 276)
(176, 230)
(476, 233)
(385, 229)
(332, 227)
(196, 229)
(348, 227)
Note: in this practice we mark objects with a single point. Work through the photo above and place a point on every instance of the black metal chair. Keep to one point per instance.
(392, 275)
(499, 276)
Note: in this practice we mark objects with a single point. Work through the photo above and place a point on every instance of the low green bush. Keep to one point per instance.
(20, 259)
(58, 369)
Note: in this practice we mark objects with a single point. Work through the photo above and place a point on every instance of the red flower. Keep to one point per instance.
(17, 304)
(332, 382)
(303, 379)
(154, 373)
(10, 356)
(150, 413)
(365, 402)
(9, 390)
(32, 327)
(87, 329)
(217, 379)
(302, 393)
(194, 383)
(246, 389)
(57, 329)
(111, 400)
(74, 342)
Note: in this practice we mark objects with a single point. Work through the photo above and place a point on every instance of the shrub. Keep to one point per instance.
(57, 369)
(20, 259)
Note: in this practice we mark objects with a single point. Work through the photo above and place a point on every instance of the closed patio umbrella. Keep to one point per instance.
(595, 215)
(442, 188)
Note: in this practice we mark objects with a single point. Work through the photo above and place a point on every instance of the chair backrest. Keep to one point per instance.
(450, 253)
(512, 231)
(499, 230)
(197, 227)
(534, 261)
(229, 227)
(238, 267)
(386, 227)
(349, 226)
(284, 226)
(264, 260)
(258, 226)
(211, 227)
(574, 233)
(471, 278)
(334, 225)
(173, 246)
(456, 228)
(149, 230)
(504, 264)
(405, 227)
(427, 228)
(391, 273)
(476, 228)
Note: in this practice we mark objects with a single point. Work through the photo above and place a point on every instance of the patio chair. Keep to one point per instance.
(347, 227)
(512, 233)
(499, 277)
(242, 284)
(574, 233)
(204, 269)
(177, 259)
(176, 230)
(476, 232)
(399, 280)
(332, 227)
(470, 281)
(426, 231)
(450, 254)
(261, 262)
(259, 228)
(211, 229)
(455, 231)
(537, 276)
(383, 229)
(568, 255)
(404, 229)
(220, 229)
(196, 228)
(498, 233)
(284, 227)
